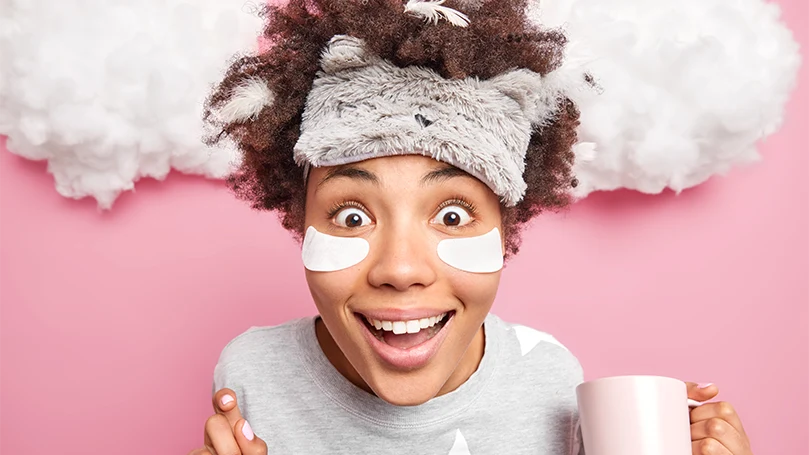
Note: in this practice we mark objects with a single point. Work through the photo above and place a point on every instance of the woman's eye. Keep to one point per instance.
(352, 218)
(453, 216)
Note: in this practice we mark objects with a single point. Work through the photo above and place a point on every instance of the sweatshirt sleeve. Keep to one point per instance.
(227, 374)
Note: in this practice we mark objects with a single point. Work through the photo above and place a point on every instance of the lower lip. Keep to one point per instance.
(406, 359)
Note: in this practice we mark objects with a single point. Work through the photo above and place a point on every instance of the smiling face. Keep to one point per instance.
(403, 206)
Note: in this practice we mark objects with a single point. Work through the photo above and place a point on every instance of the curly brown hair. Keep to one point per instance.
(499, 38)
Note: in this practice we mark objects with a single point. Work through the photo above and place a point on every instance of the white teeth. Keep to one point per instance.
(400, 327)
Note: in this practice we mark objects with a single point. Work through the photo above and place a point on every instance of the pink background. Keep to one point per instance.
(112, 322)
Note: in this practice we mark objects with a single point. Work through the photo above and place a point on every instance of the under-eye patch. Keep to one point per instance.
(328, 253)
(481, 254)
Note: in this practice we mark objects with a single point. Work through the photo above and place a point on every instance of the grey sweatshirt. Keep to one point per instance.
(521, 399)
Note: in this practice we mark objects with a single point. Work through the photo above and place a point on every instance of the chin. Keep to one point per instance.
(411, 391)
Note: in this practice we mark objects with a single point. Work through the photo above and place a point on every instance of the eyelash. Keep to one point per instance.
(461, 201)
(335, 209)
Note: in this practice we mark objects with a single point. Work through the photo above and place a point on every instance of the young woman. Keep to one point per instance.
(406, 144)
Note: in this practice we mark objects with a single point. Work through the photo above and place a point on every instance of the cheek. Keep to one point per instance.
(476, 291)
(331, 265)
(330, 289)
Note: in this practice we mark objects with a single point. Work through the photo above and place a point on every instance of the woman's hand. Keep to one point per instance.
(226, 432)
(715, 427)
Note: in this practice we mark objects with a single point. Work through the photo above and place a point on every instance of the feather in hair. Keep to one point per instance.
(246, 101)
(432, 11)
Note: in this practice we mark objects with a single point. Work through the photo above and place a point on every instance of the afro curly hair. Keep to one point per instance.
(500, 37)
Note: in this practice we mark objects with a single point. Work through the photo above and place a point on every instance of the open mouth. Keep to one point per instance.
(406, 334)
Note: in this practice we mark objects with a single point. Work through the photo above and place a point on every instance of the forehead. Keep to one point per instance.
(395, 175)
(391, 170)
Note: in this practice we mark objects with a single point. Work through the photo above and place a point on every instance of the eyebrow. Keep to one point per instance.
(350, 172)
(443, 174)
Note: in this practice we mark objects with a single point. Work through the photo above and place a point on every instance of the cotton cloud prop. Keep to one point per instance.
(111, 91)
(108, 92)
(687, 87)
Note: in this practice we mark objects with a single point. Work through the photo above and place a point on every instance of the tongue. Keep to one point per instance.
(407, 340)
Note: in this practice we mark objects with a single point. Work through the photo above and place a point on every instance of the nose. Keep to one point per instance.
(402, 259)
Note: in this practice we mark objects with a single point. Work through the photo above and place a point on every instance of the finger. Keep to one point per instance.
(722, 431)
(701, 392)
(722, 410)
(709, 446)
(224, 402)
(200, 451)
(219, 436)
(249, 443)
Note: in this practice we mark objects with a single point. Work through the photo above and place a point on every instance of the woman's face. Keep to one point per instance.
(403, 206)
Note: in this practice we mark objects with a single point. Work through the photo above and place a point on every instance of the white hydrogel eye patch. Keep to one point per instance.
(327, 253)
(481, 254)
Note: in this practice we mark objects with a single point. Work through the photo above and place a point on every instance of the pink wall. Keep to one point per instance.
(111, 322)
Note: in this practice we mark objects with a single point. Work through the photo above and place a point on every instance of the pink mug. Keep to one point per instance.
(635, 415)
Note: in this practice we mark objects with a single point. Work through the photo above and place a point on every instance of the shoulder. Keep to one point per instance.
(259, 342)
(537, 376)
(258, 361)
(535, 348)
(257, 337)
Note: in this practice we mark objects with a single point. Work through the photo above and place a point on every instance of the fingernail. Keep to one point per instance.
(704, 386)
(247, 431)
(226, 399)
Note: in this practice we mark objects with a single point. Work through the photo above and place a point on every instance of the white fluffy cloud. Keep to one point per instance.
(108, 92)
(688, 87)
(111, 91)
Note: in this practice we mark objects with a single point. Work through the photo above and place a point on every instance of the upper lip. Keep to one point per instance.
(400, 314)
